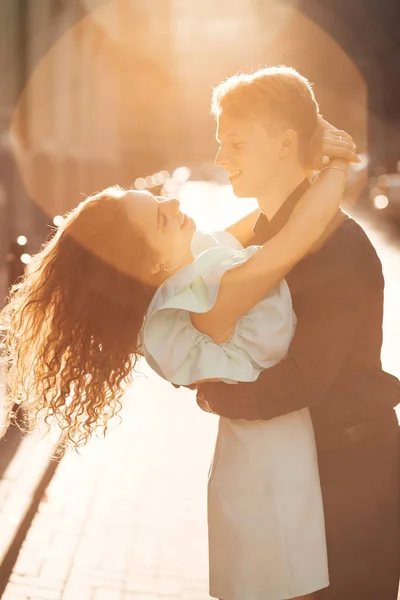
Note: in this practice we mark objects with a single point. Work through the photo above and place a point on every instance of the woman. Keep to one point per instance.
(75, 325)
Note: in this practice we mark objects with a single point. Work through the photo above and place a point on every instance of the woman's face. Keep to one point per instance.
(167, 230)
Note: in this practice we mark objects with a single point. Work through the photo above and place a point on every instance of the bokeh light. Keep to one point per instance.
(159, 178)
(58, 220)
(181, 174)
(381, 201)
(149, 182)
(140, 183)
(26, 258)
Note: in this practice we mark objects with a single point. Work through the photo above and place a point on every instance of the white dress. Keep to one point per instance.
(265, 513)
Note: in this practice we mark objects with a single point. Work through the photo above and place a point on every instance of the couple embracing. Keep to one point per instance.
(276, 321)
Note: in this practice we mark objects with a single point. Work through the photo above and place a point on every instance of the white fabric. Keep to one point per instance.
(183, 355)
(266, 525)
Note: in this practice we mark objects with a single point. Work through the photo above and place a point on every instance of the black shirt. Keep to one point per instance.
(333, 364)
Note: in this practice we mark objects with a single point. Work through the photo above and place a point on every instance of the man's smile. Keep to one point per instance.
(234, 174)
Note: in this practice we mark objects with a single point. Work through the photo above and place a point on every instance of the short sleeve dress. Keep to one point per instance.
(265, 513)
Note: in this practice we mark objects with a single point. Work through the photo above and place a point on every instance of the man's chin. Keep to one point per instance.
(240, 191)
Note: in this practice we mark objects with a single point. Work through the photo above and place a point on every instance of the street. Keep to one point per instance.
(126, 520)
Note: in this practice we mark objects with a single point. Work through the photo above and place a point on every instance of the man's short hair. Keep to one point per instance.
(279, 93)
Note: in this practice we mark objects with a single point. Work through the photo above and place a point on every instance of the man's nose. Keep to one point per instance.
(220, 159)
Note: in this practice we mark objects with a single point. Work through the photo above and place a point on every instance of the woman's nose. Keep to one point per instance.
(173, 206)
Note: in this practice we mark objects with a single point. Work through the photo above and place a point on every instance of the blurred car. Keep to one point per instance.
(384, 195)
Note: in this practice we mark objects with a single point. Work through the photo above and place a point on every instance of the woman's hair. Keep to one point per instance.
(71, 328)
(274, 93)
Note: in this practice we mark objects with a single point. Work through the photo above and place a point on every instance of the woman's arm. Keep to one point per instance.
(245, 286)
(243, 229)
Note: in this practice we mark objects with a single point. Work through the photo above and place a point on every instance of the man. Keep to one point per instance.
(333, 365)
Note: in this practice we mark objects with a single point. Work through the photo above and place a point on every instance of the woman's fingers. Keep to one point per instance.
(343, 153)
(333, 146)
(335, 151)
(330, 143)
(339, 144)
(338, 136)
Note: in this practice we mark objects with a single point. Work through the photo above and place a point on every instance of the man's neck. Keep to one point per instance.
(278, 192)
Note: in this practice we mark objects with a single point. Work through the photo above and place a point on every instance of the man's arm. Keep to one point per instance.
(327, 320)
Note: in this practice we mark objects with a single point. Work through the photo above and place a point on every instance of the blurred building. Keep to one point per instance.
(85, 103)
(98, 92)
(213, 40)
(15, 209)
(369, 32)
(95, 109)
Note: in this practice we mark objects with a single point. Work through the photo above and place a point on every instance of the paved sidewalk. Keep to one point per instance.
(126, 520)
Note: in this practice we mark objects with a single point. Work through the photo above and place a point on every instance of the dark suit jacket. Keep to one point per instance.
(333, 364)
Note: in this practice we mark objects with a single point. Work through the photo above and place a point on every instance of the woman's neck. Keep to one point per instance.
(170, 271)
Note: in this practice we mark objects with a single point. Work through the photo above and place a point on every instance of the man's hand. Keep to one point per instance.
(194, 386)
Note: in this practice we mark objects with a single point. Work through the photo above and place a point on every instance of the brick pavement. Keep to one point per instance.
(126, 520)
(23, 465)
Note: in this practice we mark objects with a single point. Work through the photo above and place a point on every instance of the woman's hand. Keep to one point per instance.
(330, 143)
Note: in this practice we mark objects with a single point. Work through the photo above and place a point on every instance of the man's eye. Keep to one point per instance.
(163, 220)
(237, 145)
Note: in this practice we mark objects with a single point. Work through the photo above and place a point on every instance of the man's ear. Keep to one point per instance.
(288, 142)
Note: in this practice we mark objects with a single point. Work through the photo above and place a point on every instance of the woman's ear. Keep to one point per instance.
(156, 268)
(154, 262)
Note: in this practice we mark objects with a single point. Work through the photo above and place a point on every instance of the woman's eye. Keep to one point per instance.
(237, 145)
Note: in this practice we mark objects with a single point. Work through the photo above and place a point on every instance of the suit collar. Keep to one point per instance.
(266, 229)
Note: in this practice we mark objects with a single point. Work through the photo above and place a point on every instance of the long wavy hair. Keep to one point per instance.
(70, 331)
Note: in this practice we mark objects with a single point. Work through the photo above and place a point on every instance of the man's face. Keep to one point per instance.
(249, 153)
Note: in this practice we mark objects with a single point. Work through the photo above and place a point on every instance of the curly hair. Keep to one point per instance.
(71, 328)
